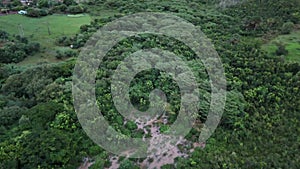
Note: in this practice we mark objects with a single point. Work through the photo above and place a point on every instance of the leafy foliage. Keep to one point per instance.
(35, 12)
(260, 125)
(15, 49)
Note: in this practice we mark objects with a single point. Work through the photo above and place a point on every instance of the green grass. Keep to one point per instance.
(36, 29)
(59, 25)
(292, 42)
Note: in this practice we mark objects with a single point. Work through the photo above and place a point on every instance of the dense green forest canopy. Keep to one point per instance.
(260, 126)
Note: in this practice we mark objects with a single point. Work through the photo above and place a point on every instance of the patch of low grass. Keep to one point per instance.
(37, 28)
(291, 42)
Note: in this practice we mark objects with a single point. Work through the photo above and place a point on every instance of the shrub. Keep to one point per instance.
(43, 12)
(7, 70)
(17, 49)
(43, 4)
(84, 28)
(59, 8)
(64, 41)
(76, 9)
(60, 54)
(127, 164)
(33, 47)
(11, 53)
(287, 27)
(35, 12)
(281, 50)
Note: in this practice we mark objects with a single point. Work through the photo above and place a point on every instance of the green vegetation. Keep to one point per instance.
(259, 128)
(41, 8)
(291, 43)
(15, 49)
(43, 30)
(37, 28)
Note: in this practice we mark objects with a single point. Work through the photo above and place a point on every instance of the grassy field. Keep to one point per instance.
(292, 42)
(36, 29)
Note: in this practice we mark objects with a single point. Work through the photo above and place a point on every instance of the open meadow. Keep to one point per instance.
(44, 30)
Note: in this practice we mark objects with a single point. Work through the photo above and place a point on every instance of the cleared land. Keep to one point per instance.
(291, 42)
(36, 29)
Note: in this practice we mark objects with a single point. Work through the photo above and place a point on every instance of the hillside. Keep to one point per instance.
(45, 69)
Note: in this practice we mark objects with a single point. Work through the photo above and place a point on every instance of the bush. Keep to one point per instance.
(287, 28)
(43, 12)
(33, 47)
(7, 70)
(43, 4)
(76, 9)
(59, 8)
(64, 41)
(127, 164)
(60, 54)
(11, 53)
(16, 50)
(35, 12)
(84, 28)
(281, 50)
